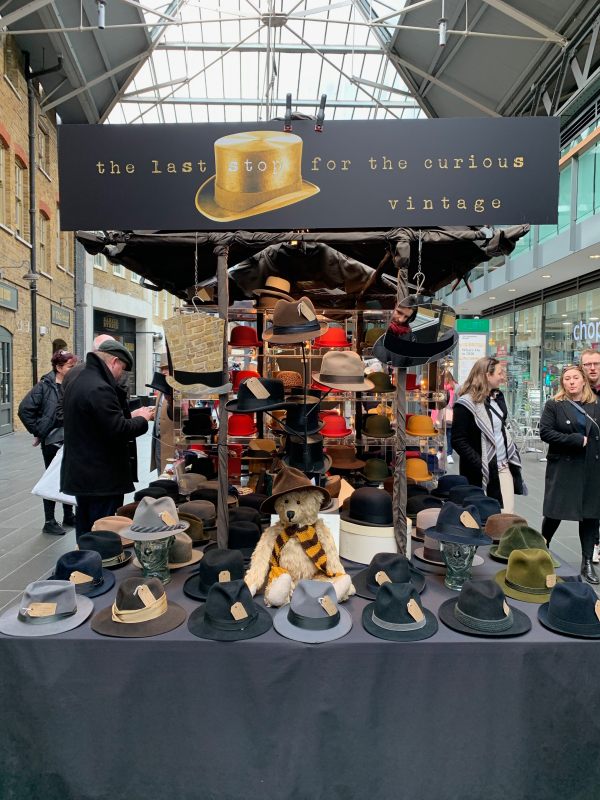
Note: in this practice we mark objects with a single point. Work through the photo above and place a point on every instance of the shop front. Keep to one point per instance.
(123, 330)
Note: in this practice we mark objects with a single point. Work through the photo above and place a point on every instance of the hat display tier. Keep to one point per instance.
(420, 502)
(448, 482)
(420, 425)
(519, 537)
(195, 353)
(294, 322)
(109, 545)
(335, 426)
(114, 348)
(229, 614)
(382, 383)
(306, 455)
(155, 519)
(375, 470)
(239, 375)
(376, 426)
(116, 524)
(498, 524)
(573, 610)
(159, 384)
(257, 394)
(303, 416)
(343, 456)
(243, 336)
(290, 379)
(274, 287)
(487, 506)
(416, 470)
(242, 424)
(343, 370)
(141, 609)
(459, 525)
(481, 610)
(217, 566)
(46, 609)
(529, 576)
(398, 615)
(425, 519)
(287, 480)
(369, 506)
(458, 493)
(334, 337)
(384, 568)
(237, 194)
(313, 615)
(84, 569)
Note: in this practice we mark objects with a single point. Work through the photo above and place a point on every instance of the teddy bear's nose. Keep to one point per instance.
(290, 514)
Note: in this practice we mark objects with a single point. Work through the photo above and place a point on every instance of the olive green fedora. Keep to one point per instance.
(529, 576)
(519, 537)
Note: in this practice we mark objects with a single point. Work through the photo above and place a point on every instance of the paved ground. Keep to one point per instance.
(27, 554)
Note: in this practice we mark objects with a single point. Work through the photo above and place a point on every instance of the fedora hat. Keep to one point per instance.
(343, 456)
(333, 485)
(485, 505)
(261, 448)
(498, 524)
(398, 615)
(196, 531)
(343, 370)
(529, 575)
(447, 482)
(288, 480)
(306, 455)
(386, 567)
(460, 525)
(198, 464)
(334, 337)
(258, 394)
(481, 610)
(128, 510)
(335, 426)
(154, 519)
(196, 369)
(302, 416)
(274, 287)
(375, 470)
(239, 375)
(243, 336)
(426, 518)
(382, 382)
(294, 321)
(109, 545)
(573, 610)
(242, 424)
(140, 609)
(245, 514)
(202, 510)
(217, 566)
(169, 484)
(420, 502)
(233, 193)
(159, 384)
(369, 506)
(313, 615)
(210, 491)
(181, 553)
(371, 336)
(117, 525)
(243, 534)
(377, 427)
(458, 493)
(84, 569)
(420, 425)
(416, 470)
(519, 537)
(229, 614)
(189, 482)
(290, 379)
(45, 609)
(154, 492)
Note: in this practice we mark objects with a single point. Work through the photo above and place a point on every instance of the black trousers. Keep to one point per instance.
(48, 454)
(588, 533)
(89, 509)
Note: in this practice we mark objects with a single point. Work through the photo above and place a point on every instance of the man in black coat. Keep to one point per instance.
(98, 465)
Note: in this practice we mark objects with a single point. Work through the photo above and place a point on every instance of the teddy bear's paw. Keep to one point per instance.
(278, 592)
(343, 586)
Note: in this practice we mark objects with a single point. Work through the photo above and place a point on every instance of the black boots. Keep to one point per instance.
(52, 527)
(68, 520)
(588, 571)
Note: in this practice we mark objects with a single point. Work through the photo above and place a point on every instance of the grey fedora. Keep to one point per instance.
(481, 610)
(313, 616)
(45, 609)
(154, 518)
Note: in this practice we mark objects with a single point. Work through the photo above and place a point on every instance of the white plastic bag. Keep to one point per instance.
(48, 485)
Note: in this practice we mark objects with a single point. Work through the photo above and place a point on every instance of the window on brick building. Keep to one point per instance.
(119, 270)
(20, 194)
(43, 148)
(3, 192)
(42, 242)
(12, 61)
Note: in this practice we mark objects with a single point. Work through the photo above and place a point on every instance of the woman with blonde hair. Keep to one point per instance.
(488, 456)
(570, 424)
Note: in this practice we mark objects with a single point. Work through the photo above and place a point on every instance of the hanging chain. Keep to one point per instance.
(196, 265)
(419, 274)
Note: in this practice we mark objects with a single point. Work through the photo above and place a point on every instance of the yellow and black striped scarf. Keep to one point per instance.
(307, 536)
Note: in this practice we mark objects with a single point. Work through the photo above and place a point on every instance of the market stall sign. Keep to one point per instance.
(359, 174)
(61, 316)
(9, 296)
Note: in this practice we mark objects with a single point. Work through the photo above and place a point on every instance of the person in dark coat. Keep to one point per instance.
(98, 464)
(570, 424)
(488, 456)
(38, 413)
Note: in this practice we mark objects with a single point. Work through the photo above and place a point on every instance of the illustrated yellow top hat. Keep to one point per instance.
(256, 172)
(416, 469)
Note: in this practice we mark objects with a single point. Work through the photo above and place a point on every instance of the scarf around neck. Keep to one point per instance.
(309, 541)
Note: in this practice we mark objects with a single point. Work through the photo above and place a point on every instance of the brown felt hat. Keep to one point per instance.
(115, 524)
(344, 456)
(288, 480)
(294, 321)
(498, 524)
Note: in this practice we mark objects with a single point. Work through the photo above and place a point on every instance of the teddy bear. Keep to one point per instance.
(298, 546)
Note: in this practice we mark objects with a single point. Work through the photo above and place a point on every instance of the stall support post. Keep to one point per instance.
(222, 252)
(399, 489)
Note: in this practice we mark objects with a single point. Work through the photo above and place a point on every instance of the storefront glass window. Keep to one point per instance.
(587, 178)
(560, 347)
(525, 368)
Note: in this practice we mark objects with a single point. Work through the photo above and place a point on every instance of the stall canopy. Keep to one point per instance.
(336, 269)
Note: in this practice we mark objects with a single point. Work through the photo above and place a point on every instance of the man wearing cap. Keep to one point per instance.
(99, 465)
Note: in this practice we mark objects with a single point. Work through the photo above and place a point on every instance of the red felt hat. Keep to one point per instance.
(242, 425)
(333, 337)
(335, 426)
(411, 382)
(243, 336)
(238, 375)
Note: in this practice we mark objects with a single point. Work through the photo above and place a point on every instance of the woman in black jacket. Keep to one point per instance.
(38, 411)
(570, 424)
(488, 456)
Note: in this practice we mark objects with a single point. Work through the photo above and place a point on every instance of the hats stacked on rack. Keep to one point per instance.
(275, 289)
(367, 525)
(294, 321)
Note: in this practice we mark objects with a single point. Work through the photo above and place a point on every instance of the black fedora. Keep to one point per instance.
(159, 384)
(573, 610)
(369, 506)
(243, 535)
(155, 492)
(110, 546)
(481, 610)
(458, 493)
(257, 394)
(397, 615)
(170, 486)
(460, 525)
(300, 414)
(140, 609)
(420, 502)
(386, 567)
(412, 489)
(200, 465)
(200, 425)
(229, 614)
(84, 569)
(217, 566)
(447, 482)
(210, 492)
(487, 506)
(307, 457)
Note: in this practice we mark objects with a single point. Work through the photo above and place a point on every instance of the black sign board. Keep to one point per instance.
(354, 175)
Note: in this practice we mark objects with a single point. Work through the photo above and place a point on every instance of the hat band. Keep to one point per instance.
(44, 620)
(153, 611)
(484, 625)
(282, 330)
(526, 589)
(231, 625)
(329, 378)
(84, 588)
(154, 529)
(109, 562)
(313, 623)
(398, 626)
(212, 379)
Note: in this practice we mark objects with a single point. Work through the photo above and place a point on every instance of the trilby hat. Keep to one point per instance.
(140, 609)
(528, 576)
(109, 545)
(460, 525)
(46, 608)
(229, 614)
(217, 566)
(117, 525)
(260, 394)
(519, 537)
(573, 610)
(481, 610)
(84, 568)
(485, 505)
(343, 370)
(155, 519)
(343, 456)
(289, 480)
(294, 321)
(386, 567)
(447, 482)
(458, 493)
(398, 615)
(313, 615)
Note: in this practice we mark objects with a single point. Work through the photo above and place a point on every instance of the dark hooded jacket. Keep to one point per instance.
(37, 410)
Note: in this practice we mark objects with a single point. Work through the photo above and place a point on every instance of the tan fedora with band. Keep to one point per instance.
(275, 287)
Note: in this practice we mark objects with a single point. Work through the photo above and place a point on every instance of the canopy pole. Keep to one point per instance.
(399, 488)
(222, 253)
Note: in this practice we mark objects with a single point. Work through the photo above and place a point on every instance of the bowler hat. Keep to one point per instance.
(261, 394)
(335, 426)
(243, 336)
(288, 480)
(377, 426)
(382, 383)
(416, 470)
(458, 493)
(242, 425)
(573, 610)
(375, 470)
(302, 416)
(519, 537)
(448, 482)
(294, 321)
(239, 375)
(45, 609)
(154, 519)
(140, 609)
(109, 545)
(306, 455)
(343, 457)
(275, 287)
(529, 575)
(334, 337)
(497, 524)
(386, 567)
(218, 565)
(420, 425)
(398, 615)
(114, 348)
(343, 370)
(229, 614)
(84, 569)
(313, 615)
(159, 384)
(369, 506)
(481, 610)
(485, 505)
(460, 525)
(420, 502)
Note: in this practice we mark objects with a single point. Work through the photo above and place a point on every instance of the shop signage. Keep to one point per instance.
(9, 296)
(471, 347)
(587, 331)
(359, 174)
(61, 316)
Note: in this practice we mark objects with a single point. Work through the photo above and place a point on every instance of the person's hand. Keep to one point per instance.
(36, 441)
(584, 441)
(146, 412)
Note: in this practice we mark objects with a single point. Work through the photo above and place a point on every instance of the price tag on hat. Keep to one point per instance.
(597, 609)
(551, 580)
(468, 520)
(167, 518)
(328, 605)
(506, 608)
(258, 390)
(224, 576)
(415, 611)
(306, 311)
(143, 592)
(79, 577)
(41, 609)
(238, 612)
(382, 577)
